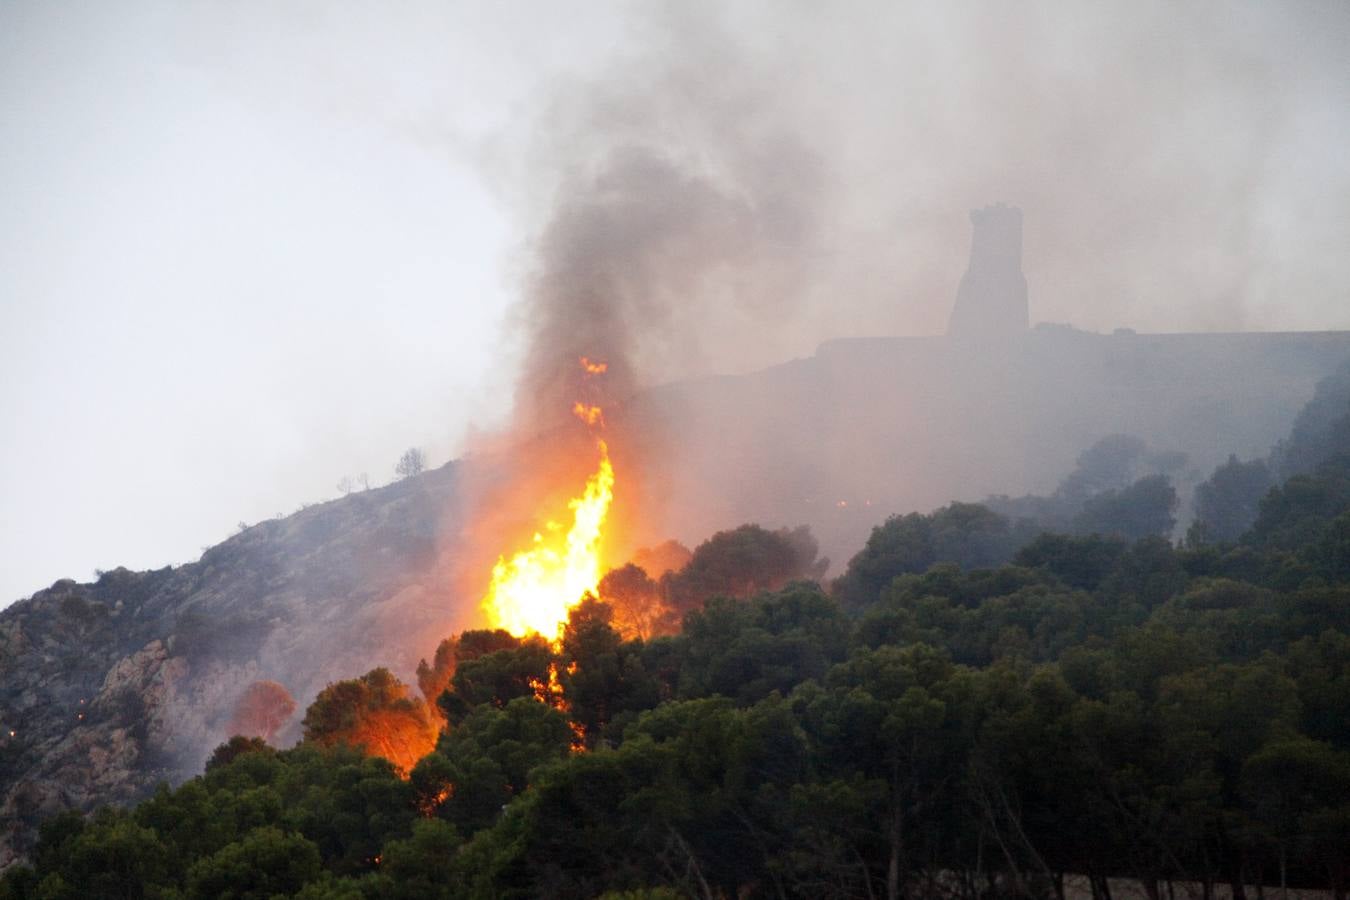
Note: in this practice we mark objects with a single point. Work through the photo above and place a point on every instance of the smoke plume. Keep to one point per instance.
(687, 202)
(745, 182)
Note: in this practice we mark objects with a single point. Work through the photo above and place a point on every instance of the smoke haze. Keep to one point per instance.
(251, 250)
(278, 244)
(744, 185)
(687, 207)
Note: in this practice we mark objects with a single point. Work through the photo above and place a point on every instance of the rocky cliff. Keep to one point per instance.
(110, 687)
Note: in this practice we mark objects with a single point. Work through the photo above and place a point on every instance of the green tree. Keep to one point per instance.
(1108, 465)
(498, 676)
(1297, 514)
(110, 856)
(1080, 561)
(1320, 666)
(235, 747)
(891, 716)
(485, 761)
(1299, 791)
(265, 863)
(421, 867)
(434, 678)
(743, 562)
(969, 535)
(602, 676)
(1143, 509)
(1229, 500)
(748, 650)
(1322, 429)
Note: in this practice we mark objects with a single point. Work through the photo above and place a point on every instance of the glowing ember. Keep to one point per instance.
(534, 589)
(591, 415)
(594, 368)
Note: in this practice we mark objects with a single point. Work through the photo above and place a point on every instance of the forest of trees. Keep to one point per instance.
(971, 710)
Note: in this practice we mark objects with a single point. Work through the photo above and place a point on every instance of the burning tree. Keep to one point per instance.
(638, 607)
(495, 671)
(601, 674)
(668, 556)
(262, 710)
(375, 712)
(434, 679)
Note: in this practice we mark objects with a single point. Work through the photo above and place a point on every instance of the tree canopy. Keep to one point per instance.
(972, 710)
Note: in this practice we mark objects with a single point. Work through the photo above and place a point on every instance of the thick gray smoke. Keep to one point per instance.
(629, 262)
(748, 181)
(687, 203)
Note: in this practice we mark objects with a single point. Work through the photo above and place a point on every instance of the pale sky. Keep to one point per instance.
(243, 253)
(249, 248)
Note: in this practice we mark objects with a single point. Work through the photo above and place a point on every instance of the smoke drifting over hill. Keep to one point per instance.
(257, 196)
(699, 193)
(741, 184)
(745, 183)
(687, 201)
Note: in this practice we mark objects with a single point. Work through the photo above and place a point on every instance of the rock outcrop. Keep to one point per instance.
(110, 687)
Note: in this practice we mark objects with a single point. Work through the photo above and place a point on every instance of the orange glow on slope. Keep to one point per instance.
(401, 738)
(594, 368)
(533, 591)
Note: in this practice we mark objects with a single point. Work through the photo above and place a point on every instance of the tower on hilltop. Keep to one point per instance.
(992, 300)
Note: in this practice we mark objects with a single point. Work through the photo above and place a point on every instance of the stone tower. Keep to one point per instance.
(992, 301)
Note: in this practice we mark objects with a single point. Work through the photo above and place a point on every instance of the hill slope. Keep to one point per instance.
(112, 686)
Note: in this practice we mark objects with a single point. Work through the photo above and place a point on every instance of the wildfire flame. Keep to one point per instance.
(533, 591)
(591, 415)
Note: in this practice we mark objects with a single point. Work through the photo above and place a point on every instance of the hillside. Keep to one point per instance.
(868, 427)
(112, 686)
(109, 687)
(1088, 716)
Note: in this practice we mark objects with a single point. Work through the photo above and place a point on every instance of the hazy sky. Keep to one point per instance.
(249, 248)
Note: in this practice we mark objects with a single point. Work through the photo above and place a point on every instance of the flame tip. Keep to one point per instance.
(594, 367)
(535, 590)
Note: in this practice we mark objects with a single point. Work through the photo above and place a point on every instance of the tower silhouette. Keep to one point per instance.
(991, 302)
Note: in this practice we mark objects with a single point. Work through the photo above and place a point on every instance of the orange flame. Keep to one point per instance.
(533, 591)
(594, 368)
(591, 415)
